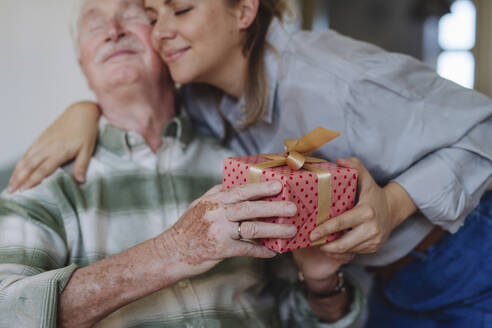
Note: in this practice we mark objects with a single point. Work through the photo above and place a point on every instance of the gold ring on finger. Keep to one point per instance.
(239, 236)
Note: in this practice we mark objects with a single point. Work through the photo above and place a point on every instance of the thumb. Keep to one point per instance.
(82, 163)
(365, 180)
(257, 251)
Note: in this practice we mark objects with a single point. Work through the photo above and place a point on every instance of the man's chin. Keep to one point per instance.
(123, 76)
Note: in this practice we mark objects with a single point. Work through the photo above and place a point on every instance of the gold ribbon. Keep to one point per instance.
(295, 158)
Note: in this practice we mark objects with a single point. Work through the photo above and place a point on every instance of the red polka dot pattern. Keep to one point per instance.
(301, 188)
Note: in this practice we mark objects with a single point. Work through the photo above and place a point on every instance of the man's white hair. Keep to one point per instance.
(78, 6)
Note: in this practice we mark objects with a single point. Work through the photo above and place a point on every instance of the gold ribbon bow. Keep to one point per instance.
(295, 157)
(295, 153)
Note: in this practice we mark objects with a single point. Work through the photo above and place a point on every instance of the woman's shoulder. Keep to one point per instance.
(329, 51)
(351, 61)
(330, 43)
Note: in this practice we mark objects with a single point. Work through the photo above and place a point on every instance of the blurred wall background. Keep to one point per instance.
(425, 29)
(483, 49)
(39, 75)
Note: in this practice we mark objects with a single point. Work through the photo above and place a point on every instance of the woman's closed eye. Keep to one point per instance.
(152, 15)
(182, 11)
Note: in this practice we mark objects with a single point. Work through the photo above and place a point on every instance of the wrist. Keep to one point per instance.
(332, 309)
(332, 305)
(331, 286)
(400, 204)
(170, 257)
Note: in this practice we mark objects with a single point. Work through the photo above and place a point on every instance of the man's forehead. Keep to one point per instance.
(92, 6)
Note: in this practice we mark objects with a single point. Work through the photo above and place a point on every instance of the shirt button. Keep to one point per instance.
(132, 141)
(182, 284)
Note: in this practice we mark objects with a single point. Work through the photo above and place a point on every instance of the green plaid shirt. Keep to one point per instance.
(132, 195)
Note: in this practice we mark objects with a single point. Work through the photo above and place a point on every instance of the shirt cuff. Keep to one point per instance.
(32, 301)
(303, 310)
(436, 192)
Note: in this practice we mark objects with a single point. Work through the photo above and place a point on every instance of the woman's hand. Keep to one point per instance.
(378, 212)
(207, 233)
(319, 267)
(72, 135)
(319, 271)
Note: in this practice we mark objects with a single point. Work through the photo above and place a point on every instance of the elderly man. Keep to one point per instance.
(122, 250)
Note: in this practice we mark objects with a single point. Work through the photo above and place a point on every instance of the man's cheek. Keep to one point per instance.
(87, 54)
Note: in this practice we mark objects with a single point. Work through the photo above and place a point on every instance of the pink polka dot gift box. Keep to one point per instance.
(320, 190)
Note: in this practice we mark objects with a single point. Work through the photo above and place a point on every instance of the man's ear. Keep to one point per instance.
(247, 11)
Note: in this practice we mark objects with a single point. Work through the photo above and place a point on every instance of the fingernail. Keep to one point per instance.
(275, 185)
(294, 230)
(292, 208)
(10, 190)
(315, 236)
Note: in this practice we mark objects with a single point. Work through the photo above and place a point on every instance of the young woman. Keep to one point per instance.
(424, 141)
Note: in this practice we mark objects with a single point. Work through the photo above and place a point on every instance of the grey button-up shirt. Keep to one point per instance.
(403, 121)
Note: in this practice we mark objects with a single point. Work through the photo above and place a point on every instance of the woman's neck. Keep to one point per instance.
(231, 75)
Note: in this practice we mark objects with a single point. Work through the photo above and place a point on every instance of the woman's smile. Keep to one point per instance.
(173, 55)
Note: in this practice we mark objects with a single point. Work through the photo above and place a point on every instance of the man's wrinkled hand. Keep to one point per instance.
(208, 231)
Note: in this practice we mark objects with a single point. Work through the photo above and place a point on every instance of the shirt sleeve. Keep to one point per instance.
(437, 140)
(447, 185)
(33, 272)
(296, 312)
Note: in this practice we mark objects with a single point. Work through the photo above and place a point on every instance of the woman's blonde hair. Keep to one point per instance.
(254, 48)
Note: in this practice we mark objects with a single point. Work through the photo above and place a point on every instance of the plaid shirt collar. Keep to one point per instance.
(121, 142)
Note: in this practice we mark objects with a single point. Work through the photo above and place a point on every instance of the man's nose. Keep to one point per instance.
(115, 31)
